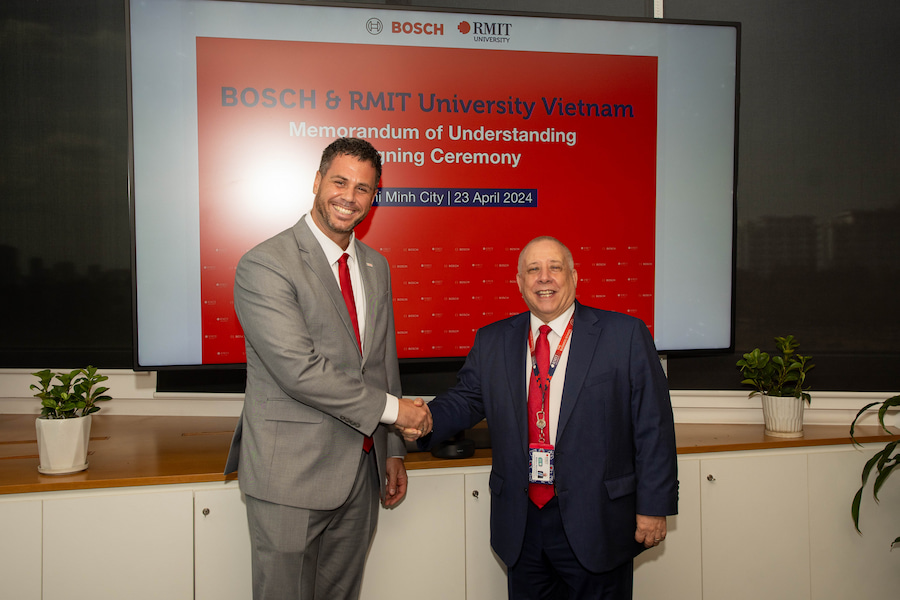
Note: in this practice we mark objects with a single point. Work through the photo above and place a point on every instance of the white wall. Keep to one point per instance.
(134, 393)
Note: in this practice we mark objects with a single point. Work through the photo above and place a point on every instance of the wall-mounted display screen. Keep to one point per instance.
(617, 137)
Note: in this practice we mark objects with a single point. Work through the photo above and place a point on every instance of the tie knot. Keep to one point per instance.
(545, 330)
(343, 259)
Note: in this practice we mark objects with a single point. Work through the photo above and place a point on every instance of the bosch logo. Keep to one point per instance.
(417, 28)
(374, 26)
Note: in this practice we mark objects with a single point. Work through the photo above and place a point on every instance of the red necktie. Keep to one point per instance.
(347, 293)
(539, 493)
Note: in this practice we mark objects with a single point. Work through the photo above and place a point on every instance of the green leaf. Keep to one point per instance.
(856, 418)
(887, 404)
(882, 477)
(854, 508)
(868, 467)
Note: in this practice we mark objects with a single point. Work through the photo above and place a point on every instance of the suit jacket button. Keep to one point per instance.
(363, 370)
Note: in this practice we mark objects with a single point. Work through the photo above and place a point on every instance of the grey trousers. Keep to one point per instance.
(301, 554)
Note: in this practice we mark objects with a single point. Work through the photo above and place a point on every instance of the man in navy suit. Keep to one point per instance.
(603, 420)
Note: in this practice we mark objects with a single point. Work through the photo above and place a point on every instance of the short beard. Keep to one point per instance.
(321, 209)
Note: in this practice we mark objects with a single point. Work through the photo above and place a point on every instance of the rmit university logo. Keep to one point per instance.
(374, 26)
(498, 33)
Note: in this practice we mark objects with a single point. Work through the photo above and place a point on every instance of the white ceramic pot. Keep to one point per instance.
(63, 444)
(783, 416)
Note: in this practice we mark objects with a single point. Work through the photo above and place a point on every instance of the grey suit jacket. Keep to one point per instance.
(310, 396)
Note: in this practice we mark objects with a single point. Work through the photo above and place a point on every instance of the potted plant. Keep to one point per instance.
(779, 380)
(883, 462)
(64, 427)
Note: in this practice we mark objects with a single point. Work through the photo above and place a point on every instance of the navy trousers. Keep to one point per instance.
(547, 569)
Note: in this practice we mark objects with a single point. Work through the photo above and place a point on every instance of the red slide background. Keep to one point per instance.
(453, 267)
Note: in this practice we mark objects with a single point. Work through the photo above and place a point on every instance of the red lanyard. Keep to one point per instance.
(554, 363)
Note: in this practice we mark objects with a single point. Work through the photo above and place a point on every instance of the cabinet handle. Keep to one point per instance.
(205, 512)
(710, 477)
(474, 493)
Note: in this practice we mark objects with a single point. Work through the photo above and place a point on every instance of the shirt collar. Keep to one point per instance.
(558, 325)
(332, 251)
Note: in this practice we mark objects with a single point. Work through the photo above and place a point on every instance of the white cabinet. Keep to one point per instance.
(673, 569)
(221, 544)
(420, 546)
(104, 546)
(436, 542)
(844, 563)
(485, 572)
(20, 549)
(775, 524)
(755, 529)
(758, 524)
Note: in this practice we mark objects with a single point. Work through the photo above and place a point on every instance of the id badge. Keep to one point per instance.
(540, 463)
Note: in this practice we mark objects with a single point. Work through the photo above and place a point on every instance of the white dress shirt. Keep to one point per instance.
(558, 327)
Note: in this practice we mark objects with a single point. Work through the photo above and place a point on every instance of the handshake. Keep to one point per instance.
(414, 419)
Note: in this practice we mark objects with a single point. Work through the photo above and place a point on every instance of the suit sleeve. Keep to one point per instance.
(276, 326)
(461, 407)
(395, 444)
(654, 429)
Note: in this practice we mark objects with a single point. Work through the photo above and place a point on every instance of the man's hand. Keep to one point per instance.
(395, 489)
(414, 418)
(650, 530)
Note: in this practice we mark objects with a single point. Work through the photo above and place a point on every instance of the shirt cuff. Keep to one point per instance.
(391, 410)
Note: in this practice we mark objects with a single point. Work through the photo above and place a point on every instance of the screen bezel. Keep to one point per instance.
(425, 365)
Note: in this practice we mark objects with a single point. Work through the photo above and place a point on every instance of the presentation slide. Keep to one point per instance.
(492, 129)
(478, 160)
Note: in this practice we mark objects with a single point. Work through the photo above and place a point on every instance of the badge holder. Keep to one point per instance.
(540, 463)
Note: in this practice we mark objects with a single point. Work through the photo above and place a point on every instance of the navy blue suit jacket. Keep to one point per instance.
(615, 442)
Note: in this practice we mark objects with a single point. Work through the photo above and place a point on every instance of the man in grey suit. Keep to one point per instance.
(315, 446)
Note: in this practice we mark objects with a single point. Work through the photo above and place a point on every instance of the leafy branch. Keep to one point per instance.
(75, 394)
(778, 375)
(883, 461)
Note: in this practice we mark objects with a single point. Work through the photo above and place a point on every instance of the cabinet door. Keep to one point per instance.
(20, 549)
(485, 572)
(221, 545)
(673, 569)
(136, 545)
(755, 527)
(846, 564)
(419, 546)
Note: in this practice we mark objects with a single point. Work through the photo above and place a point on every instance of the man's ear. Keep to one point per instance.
(316, 182)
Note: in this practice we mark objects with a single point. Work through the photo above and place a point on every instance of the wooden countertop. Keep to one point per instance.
(128, 451)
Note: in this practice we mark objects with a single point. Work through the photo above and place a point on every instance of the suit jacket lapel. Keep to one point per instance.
(585, 336)
(516, 345)
(370, 285)
(314, 257)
